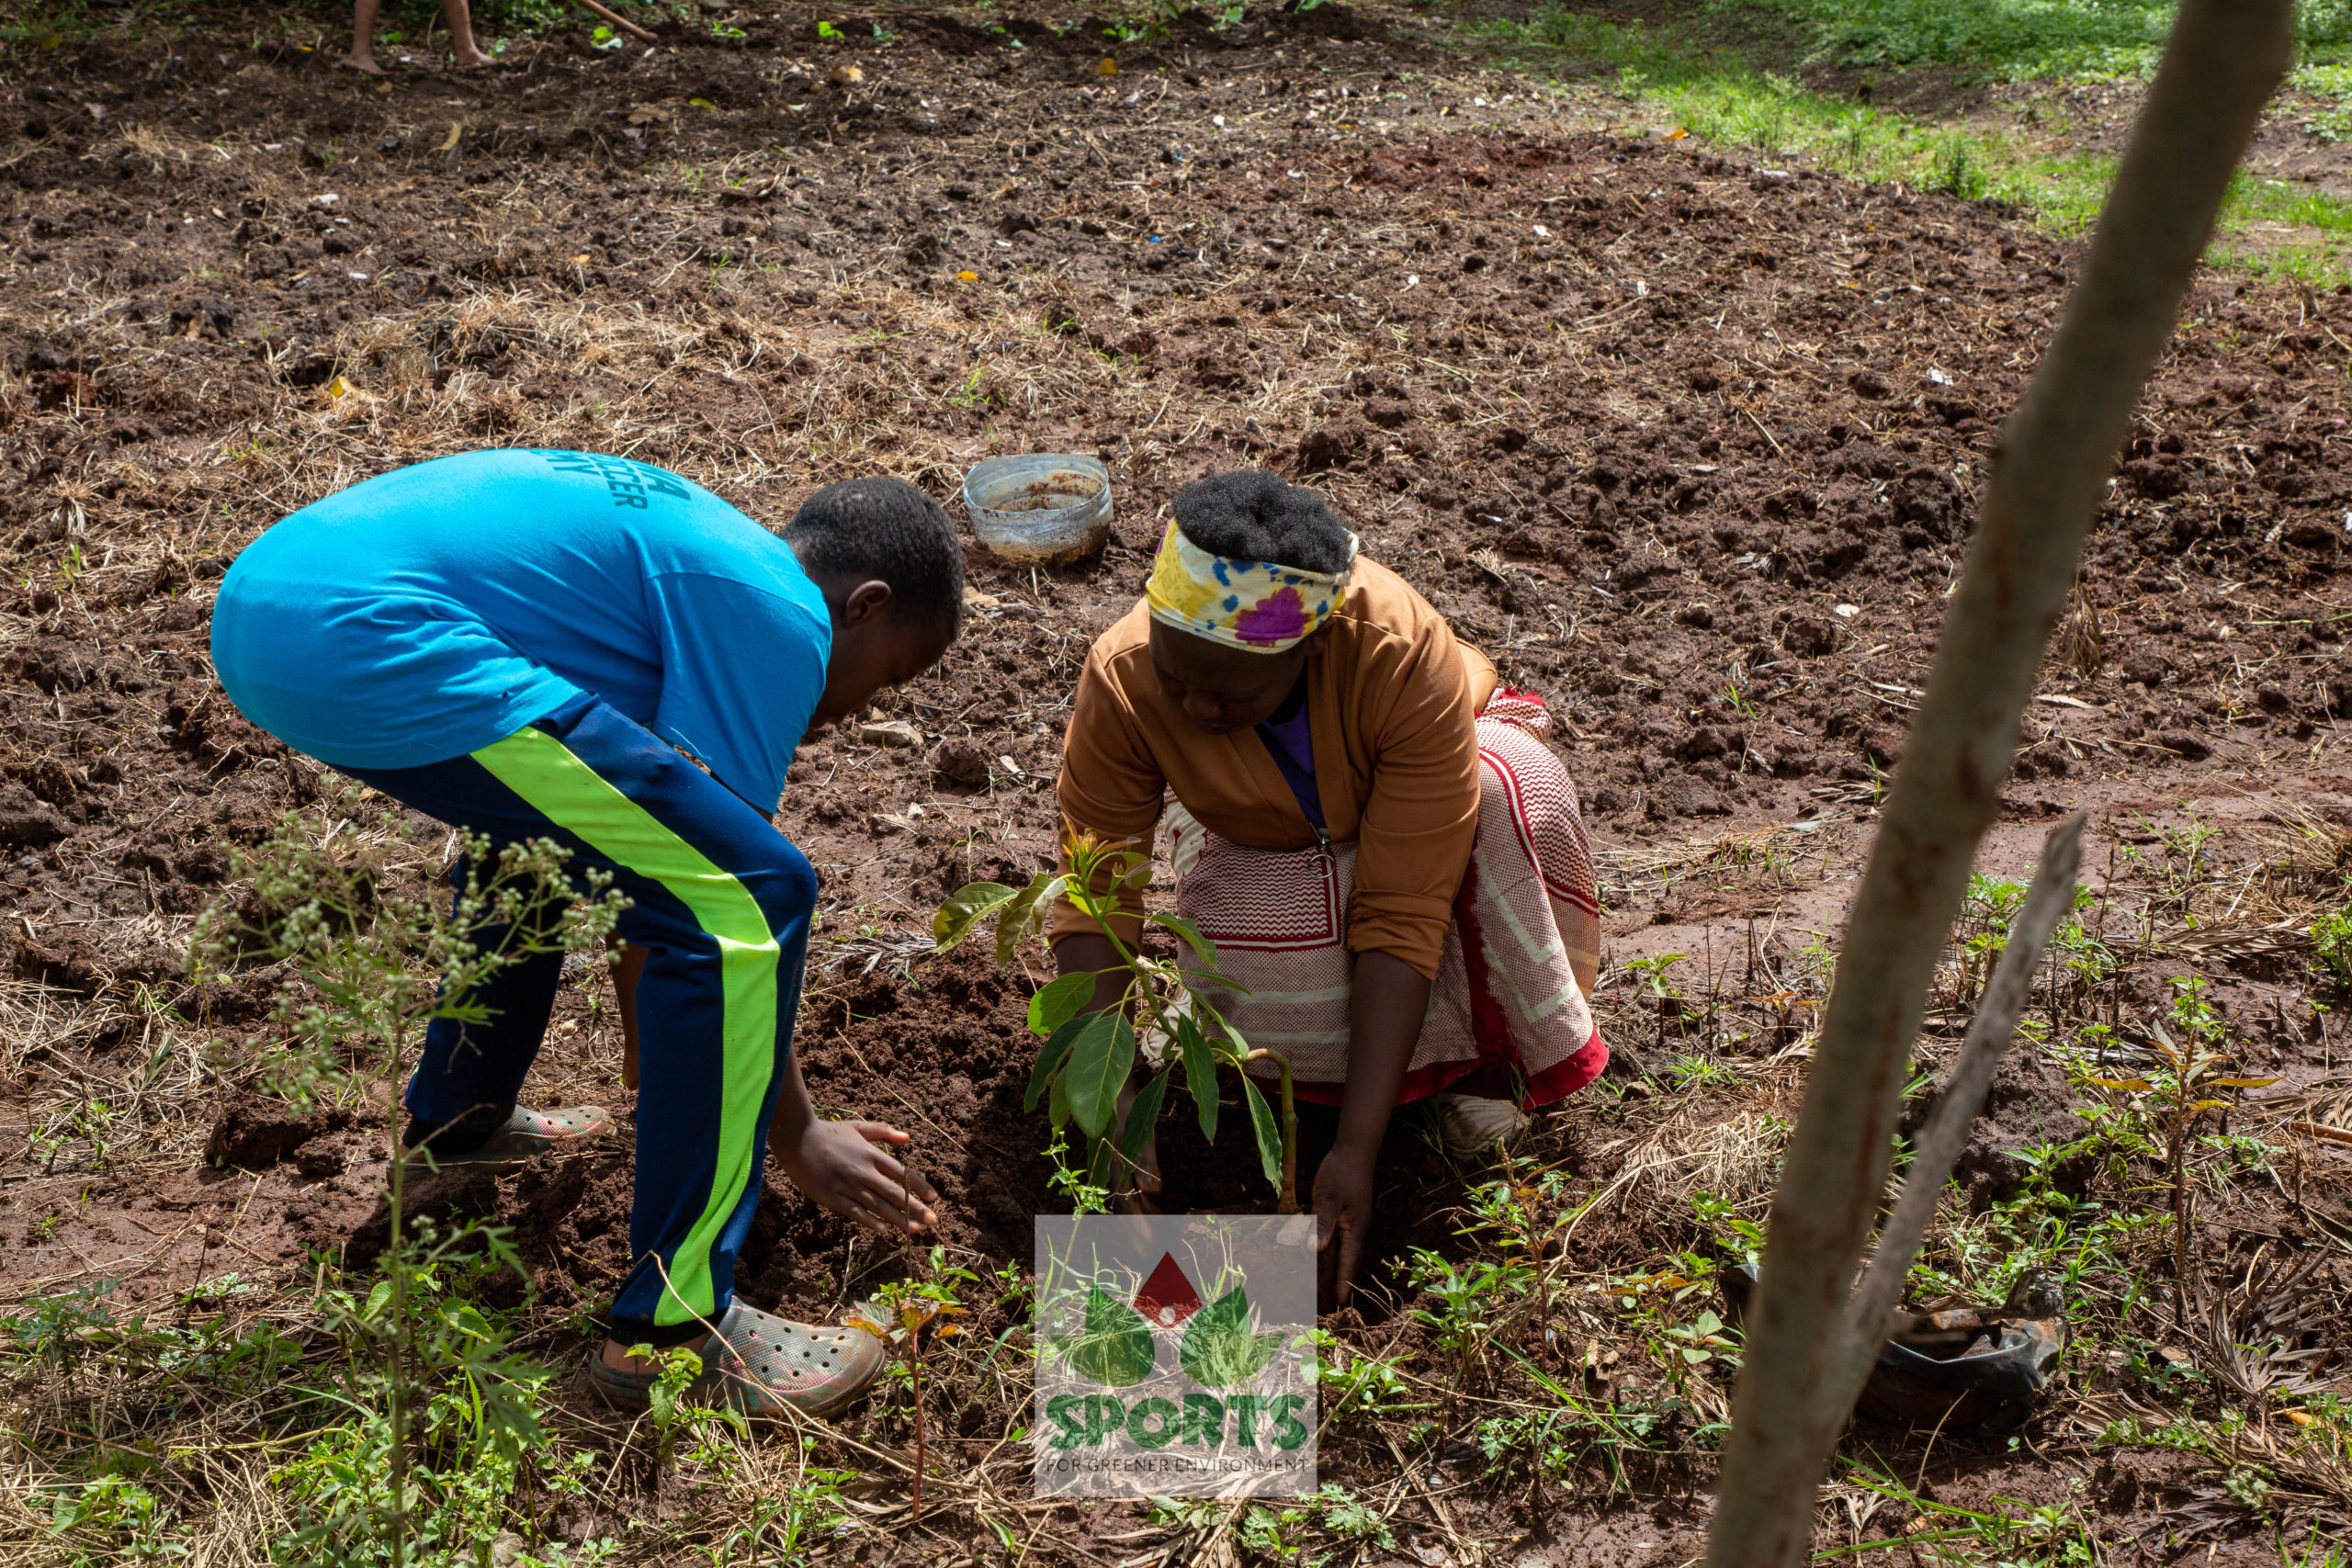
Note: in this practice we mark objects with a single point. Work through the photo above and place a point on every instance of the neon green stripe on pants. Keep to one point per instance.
(574, 796)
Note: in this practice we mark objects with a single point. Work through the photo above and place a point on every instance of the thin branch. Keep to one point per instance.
(619, 20)
(1864, 1323)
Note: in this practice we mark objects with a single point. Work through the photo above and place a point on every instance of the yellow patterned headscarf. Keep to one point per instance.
(1260, 605)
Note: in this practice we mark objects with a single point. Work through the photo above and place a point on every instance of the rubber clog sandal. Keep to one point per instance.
(1955, 1369)
(526, 1136)
(1471, 1126)
(766, 1366)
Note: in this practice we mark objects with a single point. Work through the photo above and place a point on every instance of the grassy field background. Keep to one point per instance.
(2000, 99)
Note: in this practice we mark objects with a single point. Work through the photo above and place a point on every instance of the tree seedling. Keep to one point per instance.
(1088, 1055)
(2183, 1093)
(1527, 1219)
(377, 968)
(905, 1316)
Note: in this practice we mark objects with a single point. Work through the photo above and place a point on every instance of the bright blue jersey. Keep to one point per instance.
(428, 612)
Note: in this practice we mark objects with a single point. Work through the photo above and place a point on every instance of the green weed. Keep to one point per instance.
(59, 1329)
(1649, 974)
(112, 1520)
(1733, 1234)
(2054, 1534)
(1469, 1295)
(1358, 1387)
(1553, 1443)
(2332, 947)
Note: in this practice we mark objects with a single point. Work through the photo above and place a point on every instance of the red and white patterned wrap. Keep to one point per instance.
(1507, 1017)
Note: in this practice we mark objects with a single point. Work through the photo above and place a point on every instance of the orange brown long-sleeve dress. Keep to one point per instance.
(1392, 699)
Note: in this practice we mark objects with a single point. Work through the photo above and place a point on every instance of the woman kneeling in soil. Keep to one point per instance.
(526, 644)
(1366, 824)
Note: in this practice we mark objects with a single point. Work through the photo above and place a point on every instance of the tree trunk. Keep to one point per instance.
(2220, 65)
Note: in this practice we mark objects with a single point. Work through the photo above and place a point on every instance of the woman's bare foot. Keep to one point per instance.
(470, 58)
(362, 60)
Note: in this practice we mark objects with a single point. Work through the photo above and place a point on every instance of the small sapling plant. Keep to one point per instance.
(1084, 1065)
(2332, 947)
(1528, 1218)
(431, 1371)
(667, 1405)
(2183, 1093)
(906, 1316)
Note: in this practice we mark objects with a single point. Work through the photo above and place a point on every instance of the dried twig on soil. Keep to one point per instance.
(619, 20)
(2220, 65)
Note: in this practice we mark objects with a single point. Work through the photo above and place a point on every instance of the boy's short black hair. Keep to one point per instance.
(1251, 514)
(890, 530)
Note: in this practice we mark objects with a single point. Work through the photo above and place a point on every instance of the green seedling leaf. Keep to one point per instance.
(1059, 1002)
(1025, 910)
(965, 908)
(1058, 1104)
(1133, 868)
(1232, 1036)
(1218, 1349)
(1100, 1059)
(1189, 932)
(1050, 1057)
(1200, 1073)
(1270, 1133)
(1142, 1117)
(1207, 975)
(1115, 1348)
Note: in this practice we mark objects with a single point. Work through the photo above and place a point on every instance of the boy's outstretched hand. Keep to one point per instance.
(844, 1166)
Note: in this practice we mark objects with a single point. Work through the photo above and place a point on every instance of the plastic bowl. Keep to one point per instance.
(1040, 507)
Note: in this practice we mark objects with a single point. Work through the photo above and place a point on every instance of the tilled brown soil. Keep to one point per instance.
(1689, 444)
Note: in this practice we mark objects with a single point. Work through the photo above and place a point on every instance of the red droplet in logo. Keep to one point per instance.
(1166, 1298)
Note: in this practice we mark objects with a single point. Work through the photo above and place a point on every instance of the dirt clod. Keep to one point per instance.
(961, 762)
(254, 1132)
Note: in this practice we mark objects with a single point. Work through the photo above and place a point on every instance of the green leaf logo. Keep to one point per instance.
(1114, 1348)
(1219, 1350)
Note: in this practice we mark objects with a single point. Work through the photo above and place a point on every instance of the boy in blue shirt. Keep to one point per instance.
(533, 643)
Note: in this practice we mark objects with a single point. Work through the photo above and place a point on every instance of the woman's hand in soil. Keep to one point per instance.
(845, 1167)
(1343, 1184)
(1391, 999)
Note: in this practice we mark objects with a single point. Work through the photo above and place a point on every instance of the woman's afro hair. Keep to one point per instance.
(1249, 515)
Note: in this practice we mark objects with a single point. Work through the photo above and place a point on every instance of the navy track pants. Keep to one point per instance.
(721, 906)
